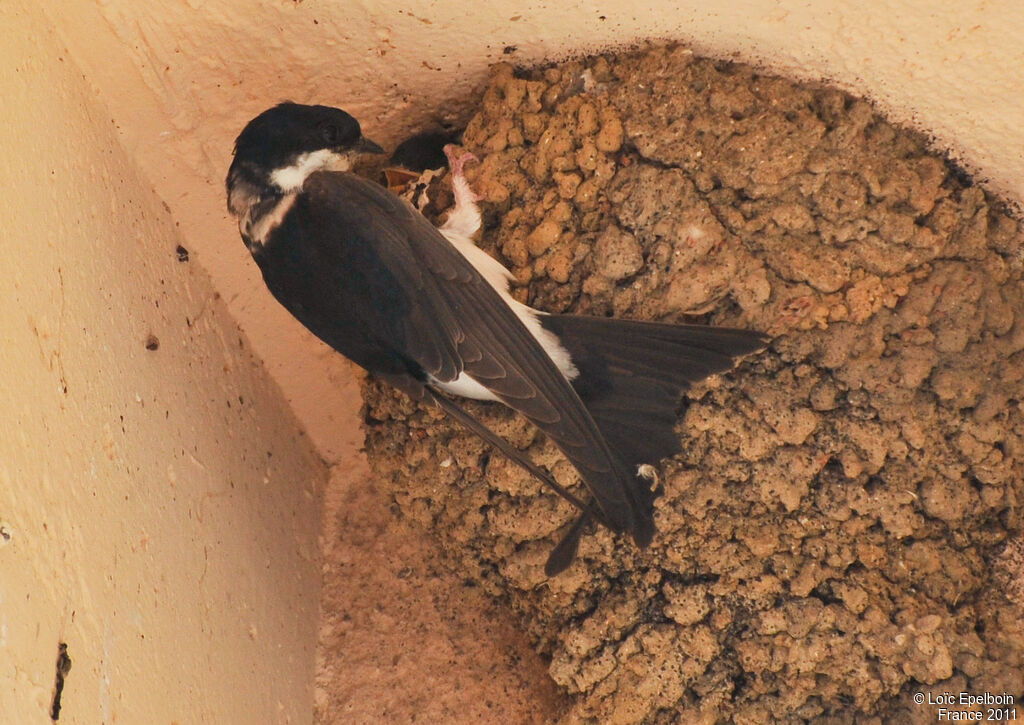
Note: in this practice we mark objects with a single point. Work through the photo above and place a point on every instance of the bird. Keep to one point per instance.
(426, 310)
(416, 154)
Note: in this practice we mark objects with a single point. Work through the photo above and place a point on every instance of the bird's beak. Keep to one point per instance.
(366, 146)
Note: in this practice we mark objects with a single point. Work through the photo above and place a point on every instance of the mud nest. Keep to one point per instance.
(838, 533)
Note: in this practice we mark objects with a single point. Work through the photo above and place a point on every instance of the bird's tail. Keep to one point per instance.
(631, 378)
(632, 375)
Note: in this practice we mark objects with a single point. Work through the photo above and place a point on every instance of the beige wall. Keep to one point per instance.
(158, 512)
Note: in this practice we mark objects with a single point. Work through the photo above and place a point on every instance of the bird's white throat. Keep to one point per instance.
(255, 221)
(291, 178)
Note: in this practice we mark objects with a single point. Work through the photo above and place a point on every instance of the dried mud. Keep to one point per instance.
(831, 539)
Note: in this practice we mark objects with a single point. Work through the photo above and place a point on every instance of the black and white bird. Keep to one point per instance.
(426, 310)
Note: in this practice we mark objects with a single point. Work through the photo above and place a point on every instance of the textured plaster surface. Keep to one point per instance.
(158, 508)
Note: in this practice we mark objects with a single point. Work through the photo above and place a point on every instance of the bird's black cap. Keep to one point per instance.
(275, 137)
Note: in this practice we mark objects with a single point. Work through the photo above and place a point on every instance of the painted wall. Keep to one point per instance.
(158, 509)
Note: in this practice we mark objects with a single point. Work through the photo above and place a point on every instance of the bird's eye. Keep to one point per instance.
(331, 134)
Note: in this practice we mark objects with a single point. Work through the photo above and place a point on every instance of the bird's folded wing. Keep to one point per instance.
(447, 319)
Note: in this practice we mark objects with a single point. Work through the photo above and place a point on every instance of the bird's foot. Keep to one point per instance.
(456, 161)
(465, 217)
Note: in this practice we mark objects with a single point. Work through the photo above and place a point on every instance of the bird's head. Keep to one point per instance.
(283, 145)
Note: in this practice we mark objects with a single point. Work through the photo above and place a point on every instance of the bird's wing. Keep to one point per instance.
(447, 319)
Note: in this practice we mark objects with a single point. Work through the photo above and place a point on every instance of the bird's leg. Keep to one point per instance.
(465, 218)
(464, 195)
